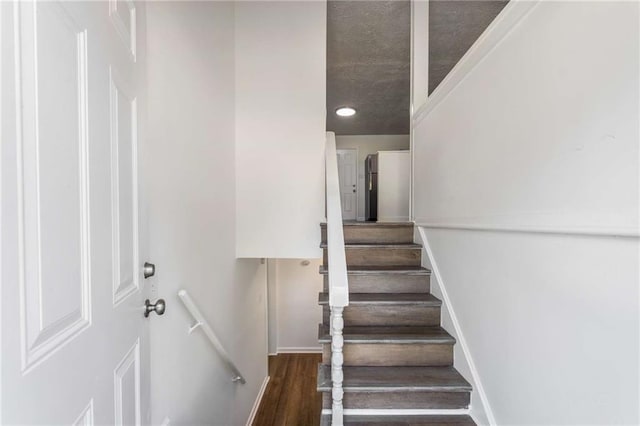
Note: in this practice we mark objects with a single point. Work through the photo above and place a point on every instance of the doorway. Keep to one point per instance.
(348, 175)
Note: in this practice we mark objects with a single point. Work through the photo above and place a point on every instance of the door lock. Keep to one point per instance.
(148, 270)
(159, 307)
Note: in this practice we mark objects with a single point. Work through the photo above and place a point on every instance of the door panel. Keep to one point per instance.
(127, 388)
(347, 173)
(86, 417)
(124, 171)
(52, 188)
(74, 340)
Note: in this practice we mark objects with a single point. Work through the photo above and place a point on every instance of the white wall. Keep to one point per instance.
(369, 144)
(296, 310)
(280, 127)
(539, 137)
(394, 175)
(551, 322)
(190, 179)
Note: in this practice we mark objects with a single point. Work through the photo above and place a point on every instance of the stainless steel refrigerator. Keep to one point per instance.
(371, 187)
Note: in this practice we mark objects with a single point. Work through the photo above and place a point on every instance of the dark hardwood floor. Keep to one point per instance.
(291, 398)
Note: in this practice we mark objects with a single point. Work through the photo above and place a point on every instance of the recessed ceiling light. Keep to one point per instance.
(345, 111)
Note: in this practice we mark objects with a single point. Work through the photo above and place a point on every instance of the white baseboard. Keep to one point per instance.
(256, 404)
(300, 350)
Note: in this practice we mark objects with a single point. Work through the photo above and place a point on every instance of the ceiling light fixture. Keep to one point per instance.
(345, 111)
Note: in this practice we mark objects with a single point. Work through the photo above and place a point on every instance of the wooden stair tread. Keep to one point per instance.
(379, 270)
(424, 299)
(411, 246)
(368, 334)
(406, 420)
(392, 379)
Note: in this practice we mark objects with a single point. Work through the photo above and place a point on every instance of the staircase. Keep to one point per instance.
(396, 355)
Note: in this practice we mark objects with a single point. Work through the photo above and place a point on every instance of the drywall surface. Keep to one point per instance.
(280, 127)
(549, 151)
(189, 182)
(298, 313)
(461, 361)
(394, 168)
(555, 143)
(551, 322)
(369, 144)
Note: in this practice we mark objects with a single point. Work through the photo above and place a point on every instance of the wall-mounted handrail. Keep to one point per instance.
(201, 322)
(337, 272)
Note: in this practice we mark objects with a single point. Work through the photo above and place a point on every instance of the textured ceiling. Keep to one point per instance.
(368, 57)
(368, 66)
(453, 27)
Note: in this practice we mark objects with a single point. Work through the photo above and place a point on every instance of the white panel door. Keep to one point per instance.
(74, 338)
(347, 174)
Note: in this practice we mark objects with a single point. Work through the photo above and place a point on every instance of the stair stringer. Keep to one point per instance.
(479, 409)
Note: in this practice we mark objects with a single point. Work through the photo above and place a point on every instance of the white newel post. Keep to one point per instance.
(337, 342)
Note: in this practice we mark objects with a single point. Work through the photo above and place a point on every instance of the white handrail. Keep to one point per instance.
(338, 280)
(338, 284)
(201, 322)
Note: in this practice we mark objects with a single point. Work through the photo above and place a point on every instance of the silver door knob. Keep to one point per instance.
(148, 270)
(158, 307)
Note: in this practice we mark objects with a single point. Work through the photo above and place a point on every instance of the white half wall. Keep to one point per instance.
(280, 107)
(189, 182)
(526, 187)
(542, 132)
(369, 144)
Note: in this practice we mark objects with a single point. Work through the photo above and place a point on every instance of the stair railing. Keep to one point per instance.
(202, 323)
(337, 274)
